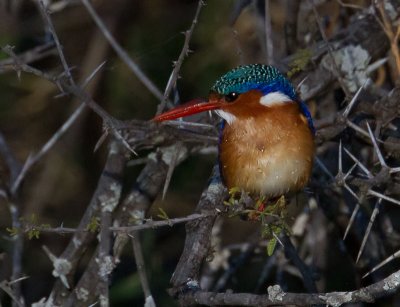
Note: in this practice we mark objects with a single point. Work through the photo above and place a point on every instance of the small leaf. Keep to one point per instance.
(13, 231)
(271, 246)
(93, 225)
(33, 233)
(162, 215)
(233, 191)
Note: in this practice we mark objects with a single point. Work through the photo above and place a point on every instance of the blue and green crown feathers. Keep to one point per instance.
(260, 77)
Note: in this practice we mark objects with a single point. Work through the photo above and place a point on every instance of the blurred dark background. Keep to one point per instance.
(58, 189)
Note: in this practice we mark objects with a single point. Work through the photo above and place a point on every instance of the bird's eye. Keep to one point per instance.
(231, 97)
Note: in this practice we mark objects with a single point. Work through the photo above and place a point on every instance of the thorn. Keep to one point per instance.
(359, 130)
(93, 74)
(62, 94)
(323, 167)
(369, 227)
(394, 170)
(377, 150)
(363, 168)
(387, 260)
(61, 266)
(277, 239)
(349, 171)
(124, 142)
(171, 169)
(101, 140)
(354, 99)
(351, 221)
(380, 195)
(18, 280)
(351, 192)
(301, 83)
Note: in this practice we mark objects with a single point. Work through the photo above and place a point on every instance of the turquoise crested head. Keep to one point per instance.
(264, 78)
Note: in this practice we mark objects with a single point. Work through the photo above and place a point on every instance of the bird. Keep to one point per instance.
(266, 145)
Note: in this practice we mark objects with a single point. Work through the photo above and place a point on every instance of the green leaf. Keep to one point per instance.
(271, 246)
(33, 233)
(162, 215)
(94, 224)
(233, 191)
(13, 231)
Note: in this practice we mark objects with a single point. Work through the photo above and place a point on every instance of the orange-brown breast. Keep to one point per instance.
(269, 152)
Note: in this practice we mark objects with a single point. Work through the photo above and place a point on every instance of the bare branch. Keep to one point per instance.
(197, 241)
(140, 264)
(52, 30)
(277, 297)
(292, 254)
(106, 197)
(29, 56)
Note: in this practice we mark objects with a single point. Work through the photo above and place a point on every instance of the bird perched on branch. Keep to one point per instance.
(267, 142)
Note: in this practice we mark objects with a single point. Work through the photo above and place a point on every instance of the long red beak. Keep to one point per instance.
(192, 107)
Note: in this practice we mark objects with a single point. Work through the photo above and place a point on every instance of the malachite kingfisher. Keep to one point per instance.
(267, 139)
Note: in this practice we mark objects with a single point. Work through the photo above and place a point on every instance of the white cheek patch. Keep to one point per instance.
(230, 118)
(274, 99)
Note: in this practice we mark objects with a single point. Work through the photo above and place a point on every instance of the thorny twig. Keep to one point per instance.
(145, 225)
(33, 159)
(330, 49)
(184, 53)
(140, 265)
(277, 297)
(32, 55)
(53, 32)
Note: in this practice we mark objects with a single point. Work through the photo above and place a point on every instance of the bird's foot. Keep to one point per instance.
(260, 208)
(269, 207)
(241, 202)
(261, 204)
(271, 213)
